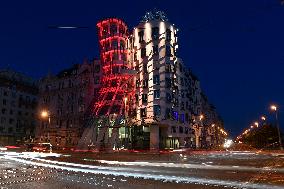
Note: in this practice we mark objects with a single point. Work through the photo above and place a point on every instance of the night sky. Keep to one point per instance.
(236, 48)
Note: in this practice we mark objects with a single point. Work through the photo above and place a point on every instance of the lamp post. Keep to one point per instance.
(275, 109)
(45, 115)
(125, 142)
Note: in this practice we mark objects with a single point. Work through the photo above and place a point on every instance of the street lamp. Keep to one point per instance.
(275, 109)
(125, 102)
(201, 117)
(263, 118)
(256, 124)
(45, 114)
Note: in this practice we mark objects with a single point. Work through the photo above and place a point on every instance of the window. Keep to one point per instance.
(136, 97)
(168, 113)
(168, 35)
(155, 33)
(168, 97)
(168, 68)
(121, 29)
(4, 102)
(157, 110)
(5, 93)
(174, 129)
(113, 29)
(143, 112)
(143, 52)
(144, 98)
(11, 121)
(156, 79)
(168, 82)
(145, 83)
(137, 83)
(3, 111)
(186, 117)
(145, 69)
(97, 80)
(115, 69)
(155, 50)
(181, 118)
(157, 94)
(114, 56)
(141, 36)
(10, 130)
(122, 45)
(114, 44)
(135, 56)
(105, 30)
(175, 115)
(168, 51)
(97, 68)
(182, 105)
(180, 129)
(3, 120)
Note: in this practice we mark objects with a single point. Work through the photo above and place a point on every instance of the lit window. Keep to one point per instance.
(175, 115)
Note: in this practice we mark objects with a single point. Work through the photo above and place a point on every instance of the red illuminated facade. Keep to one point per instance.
(113, 35)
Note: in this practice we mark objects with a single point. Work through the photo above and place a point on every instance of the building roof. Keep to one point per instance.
(154, 15)
(14, 76)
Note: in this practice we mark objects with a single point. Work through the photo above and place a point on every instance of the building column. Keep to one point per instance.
(154, 137)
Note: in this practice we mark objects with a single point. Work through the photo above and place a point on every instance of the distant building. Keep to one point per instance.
(65, 98)
(18, 101)
(213, 133)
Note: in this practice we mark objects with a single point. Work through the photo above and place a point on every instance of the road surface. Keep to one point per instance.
(29, 170)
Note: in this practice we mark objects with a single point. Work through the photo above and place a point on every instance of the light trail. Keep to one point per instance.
(194, 166)
(130, 173)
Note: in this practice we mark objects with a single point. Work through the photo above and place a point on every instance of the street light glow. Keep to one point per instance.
(273, 107)
(263, 118)
(44, 114)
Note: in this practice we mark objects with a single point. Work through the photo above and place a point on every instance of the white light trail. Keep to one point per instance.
(145, 175)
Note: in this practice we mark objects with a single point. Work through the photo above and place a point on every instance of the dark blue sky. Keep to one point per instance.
(236, 48)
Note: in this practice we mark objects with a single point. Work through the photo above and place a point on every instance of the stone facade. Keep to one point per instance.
(66, 97)
(18, 101)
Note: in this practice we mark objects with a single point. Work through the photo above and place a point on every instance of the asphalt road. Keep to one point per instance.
(193, 171)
